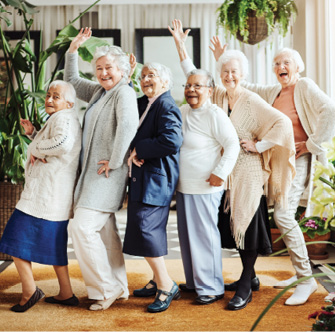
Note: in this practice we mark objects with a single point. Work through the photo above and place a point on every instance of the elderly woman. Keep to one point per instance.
(312, 114)
(204, 168)
(258, 169)
(37, 230)
(110, 124)
(154, 171)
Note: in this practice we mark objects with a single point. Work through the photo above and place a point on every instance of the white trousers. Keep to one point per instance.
(97, 245)
(285, 219)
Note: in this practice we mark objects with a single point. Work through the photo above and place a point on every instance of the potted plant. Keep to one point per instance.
(251, 21)
(316, 234)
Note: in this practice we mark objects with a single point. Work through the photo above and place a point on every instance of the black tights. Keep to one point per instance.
(248, 258)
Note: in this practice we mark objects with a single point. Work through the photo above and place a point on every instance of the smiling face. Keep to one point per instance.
(198, 92)
(55, 101)
(151, 84)
(107, 72)
(231, 74)
(285, 69)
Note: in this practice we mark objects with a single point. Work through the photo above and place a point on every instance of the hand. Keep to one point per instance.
(27, 126)
(218, 49)
(134, 159)
(248, 146)
(33, 159)
(77, 41)
(300, 149)
(133, 63)
(215, 181)
(104, 168)
(178, 34)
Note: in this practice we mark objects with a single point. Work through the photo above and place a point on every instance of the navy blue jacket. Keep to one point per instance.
(157, 141)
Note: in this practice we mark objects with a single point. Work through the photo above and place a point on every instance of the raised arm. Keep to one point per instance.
(217, 47)
(83, 35)
(179, 37)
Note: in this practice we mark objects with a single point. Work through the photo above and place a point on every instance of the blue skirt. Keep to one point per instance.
(35, 239)
(146, 230)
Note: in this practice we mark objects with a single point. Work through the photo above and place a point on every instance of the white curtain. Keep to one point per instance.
(129, 17)
(314, 38)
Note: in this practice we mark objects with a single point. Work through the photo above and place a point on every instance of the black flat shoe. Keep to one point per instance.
(159, 305)
(208, 299)
(184, 288)
(32, 301)
(71, 301)
(146, 292)
(233, 286)
(237, 303)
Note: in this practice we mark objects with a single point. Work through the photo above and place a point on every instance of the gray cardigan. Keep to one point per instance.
(112, 127)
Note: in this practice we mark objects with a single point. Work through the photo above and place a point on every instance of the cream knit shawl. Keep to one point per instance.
(255, 174)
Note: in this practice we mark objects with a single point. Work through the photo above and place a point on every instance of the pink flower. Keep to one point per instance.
(313, 315)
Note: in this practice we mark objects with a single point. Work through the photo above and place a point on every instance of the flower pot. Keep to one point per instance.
(280, 245)
(9, 196)
(317, 251)
(258, 29)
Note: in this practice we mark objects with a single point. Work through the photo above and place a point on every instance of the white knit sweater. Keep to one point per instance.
(48, 189)
(206, 130)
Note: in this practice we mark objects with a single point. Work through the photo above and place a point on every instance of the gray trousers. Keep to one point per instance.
(200, 242)
(285, 219)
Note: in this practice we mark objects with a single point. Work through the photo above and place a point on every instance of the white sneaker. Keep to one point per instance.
(302, 292)
(105, 304)
(285, 283)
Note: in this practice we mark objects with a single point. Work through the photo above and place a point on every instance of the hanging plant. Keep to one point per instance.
(245, 18)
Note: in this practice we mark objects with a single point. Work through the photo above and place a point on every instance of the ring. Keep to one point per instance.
(103, 169)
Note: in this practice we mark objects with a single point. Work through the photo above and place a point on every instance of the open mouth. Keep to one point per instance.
(283, 74)
(106, 79)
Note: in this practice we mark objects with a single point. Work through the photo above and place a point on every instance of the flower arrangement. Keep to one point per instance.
(314, 226)
(325, 318)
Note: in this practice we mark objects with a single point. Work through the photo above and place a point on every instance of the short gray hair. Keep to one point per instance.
(203, 72)
(69, 93)
(114, 53)
(162, 71)
(234, 55)
(295, 55)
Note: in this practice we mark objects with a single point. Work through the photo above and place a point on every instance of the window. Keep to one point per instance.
(157, 45)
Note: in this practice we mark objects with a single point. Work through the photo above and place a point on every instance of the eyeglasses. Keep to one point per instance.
(195, 86)
(149, 76)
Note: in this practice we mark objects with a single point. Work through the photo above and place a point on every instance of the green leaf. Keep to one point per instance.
(87, 49)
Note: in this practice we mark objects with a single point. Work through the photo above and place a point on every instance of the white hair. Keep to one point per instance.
(294, 55)
(115, 54)
(203, 72)
(163, 72)
(234, 55)
(69, 93)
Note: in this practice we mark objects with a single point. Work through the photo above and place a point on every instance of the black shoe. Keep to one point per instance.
(208, 299)
(32, 301)
(146, 292)
(237, 303)
(184, 288)
(233, 286)
(159, 305)
(71, 301)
